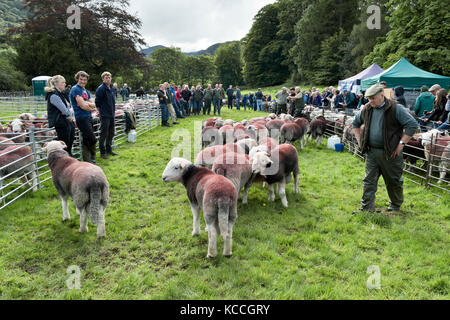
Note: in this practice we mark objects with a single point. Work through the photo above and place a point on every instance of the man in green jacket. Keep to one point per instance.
(424, 102)
(209, 95)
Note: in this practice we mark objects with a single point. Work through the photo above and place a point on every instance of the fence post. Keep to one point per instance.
(430, 162)
(33, 147)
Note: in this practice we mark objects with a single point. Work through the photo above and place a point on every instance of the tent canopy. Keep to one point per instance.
(405, 74)
(353, 83)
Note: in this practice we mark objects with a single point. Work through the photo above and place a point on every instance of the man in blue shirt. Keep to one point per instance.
(230, 93)
(238, 98)
(106, 103)
(83, 105)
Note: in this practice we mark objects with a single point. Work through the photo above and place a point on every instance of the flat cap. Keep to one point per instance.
(374, 90)
(284, 89)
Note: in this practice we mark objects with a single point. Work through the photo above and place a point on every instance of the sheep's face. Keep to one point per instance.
(17, 126)
(174, 170)
(257, 149)
(427, 137)
(261, 162)
(53, 146)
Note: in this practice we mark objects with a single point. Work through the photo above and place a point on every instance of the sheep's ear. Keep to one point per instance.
(44, 147)
(63, 143)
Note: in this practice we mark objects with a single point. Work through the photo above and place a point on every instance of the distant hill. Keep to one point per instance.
(11, 14)
(210, 51)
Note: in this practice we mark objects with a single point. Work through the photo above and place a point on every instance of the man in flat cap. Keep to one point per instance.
(387, 128)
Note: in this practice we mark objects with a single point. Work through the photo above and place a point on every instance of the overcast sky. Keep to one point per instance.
(194, 25)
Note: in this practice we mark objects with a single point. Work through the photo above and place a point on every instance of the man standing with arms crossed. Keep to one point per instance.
(387, 128)
(106, 104)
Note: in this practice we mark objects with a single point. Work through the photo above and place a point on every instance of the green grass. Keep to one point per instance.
(315, 249)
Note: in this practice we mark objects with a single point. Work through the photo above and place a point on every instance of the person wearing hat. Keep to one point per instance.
(387, 128)
(282, 100)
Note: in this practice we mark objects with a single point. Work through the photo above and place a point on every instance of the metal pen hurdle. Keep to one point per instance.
(15, 184)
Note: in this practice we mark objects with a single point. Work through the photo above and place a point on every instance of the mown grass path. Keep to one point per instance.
(315, 249)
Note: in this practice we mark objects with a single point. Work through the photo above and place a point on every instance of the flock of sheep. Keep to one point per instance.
(236, 155)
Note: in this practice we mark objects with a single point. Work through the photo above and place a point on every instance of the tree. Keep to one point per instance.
(94, 46)
(204, 68)
(229, 64)
(419, 32)
(10, 78)
(321, 20)
(263, 52)
(167, 63)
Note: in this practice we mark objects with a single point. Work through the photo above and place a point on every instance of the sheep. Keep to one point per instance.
(16, 161)
(257, 131)
(86, 183)
(274, 127)
(210, 137)
(437, 146)
(237, 168)
(349, 138)
(276, 168)
(218, 123)
(269, 142)
(413, 151)
(227, 132)
(206, 157)
(317, 129)
(208, 122)
(210, 192)
(246, 144)
(291, 132)
(16, 130)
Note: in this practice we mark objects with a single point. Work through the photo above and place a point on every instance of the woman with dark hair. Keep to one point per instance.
(60, 114)
(439, 115)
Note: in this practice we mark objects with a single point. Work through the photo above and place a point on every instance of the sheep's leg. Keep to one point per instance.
(271, 193)
(101, 232)
(212, 240)
(307, 138)
(319, 140)
(282, 192)
(83, 220)
(301, 143)
(442, 172)
(34, 181)
(196, 220)
(65, 207)
(296, 181)
(227, 250)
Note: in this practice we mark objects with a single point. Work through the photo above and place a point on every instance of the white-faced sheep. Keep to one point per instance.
(213, 193)
(277, 168)
(237, 168)
(17, 161)
(206, 157)
(16, 130)
(211, 137)
(84, 182)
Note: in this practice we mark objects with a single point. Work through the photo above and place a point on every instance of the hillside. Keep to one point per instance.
(209, 51)
(11, 14)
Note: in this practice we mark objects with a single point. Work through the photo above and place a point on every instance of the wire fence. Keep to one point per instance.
(428, 166)
(23, 163)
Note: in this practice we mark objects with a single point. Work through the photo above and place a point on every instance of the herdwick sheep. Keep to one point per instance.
(213, 193)
(291, 132)
(206, 157)
(84, 182)
(16, 161)
(317, 130)
(237, 168)
(277, 169)
(439, 147)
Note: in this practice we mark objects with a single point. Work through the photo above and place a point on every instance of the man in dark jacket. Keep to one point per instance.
(350, 102)
(105, 102)
(230, 93)
(387, 128)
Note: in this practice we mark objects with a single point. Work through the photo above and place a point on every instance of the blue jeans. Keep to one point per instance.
(259, 104)
(217, 106)
(164, 113)
(238, 103)
(197, 107)
(444, 126)
(191, 106)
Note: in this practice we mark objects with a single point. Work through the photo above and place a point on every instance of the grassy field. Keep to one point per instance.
(315, 249)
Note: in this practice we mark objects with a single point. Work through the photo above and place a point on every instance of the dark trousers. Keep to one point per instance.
(164, 113)
(197, 107)
(230, 102)
(217, 106)
(282, 108)
(107, 131)
(66, 134)
(207, 107)
(391, 169)
(86, 127)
